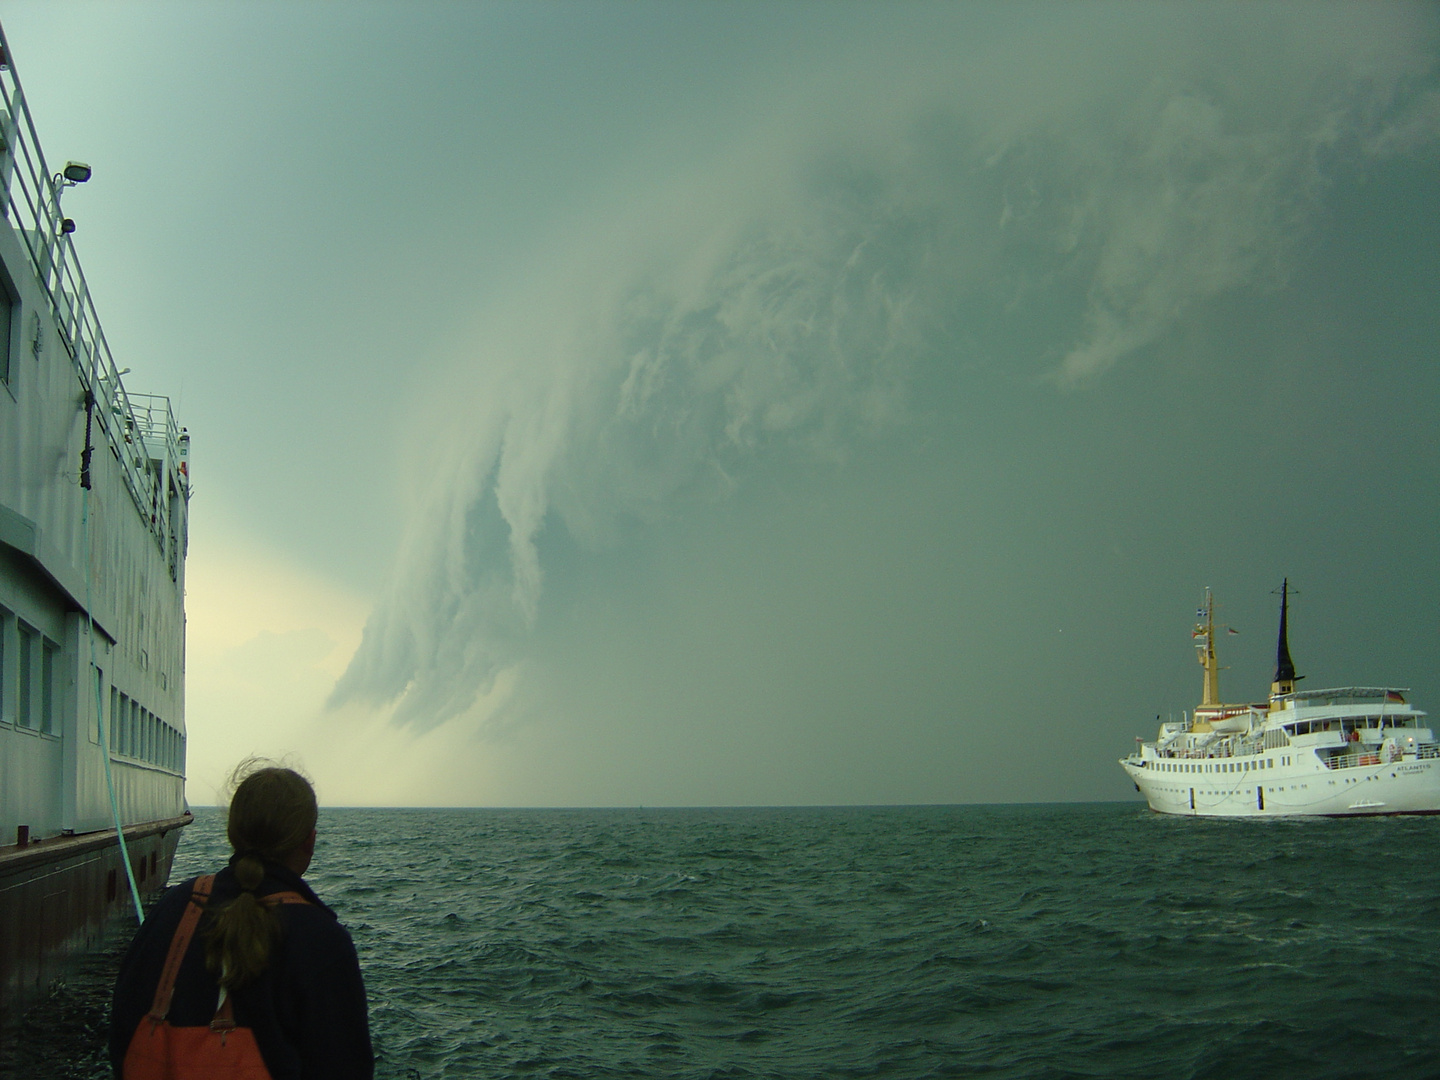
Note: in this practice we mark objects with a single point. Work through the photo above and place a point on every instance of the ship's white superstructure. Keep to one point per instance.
(1343, 751)
(94, 505)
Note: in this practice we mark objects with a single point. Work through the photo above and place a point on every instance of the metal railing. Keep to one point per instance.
(139, 429)
(1372, 758)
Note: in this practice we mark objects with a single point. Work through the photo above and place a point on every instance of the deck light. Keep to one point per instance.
(77, 172)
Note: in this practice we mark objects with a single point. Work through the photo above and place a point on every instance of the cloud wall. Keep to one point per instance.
(1042, 193)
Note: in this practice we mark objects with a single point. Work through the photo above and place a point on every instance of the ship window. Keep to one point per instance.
(97, 701)
(7, 309)
(25, 682)
(47, 689)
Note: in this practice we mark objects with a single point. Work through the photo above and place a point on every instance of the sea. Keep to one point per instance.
(1036, 941)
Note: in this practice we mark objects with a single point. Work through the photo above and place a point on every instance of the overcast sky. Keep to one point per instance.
(711, 403)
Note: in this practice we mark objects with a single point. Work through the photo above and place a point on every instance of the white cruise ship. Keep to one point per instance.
(1338, 752)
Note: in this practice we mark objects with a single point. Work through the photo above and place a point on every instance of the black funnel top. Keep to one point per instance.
(1284, 666)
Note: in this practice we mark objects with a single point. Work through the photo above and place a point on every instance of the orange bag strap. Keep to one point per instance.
(165, 988)
(283, 898)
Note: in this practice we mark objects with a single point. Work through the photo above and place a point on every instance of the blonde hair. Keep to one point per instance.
(272, 814)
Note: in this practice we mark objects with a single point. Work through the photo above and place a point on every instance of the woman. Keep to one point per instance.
(268, 978)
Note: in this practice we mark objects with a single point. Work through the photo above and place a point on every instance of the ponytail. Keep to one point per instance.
(272, 813)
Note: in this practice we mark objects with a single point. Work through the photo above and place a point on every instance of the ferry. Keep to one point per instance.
(94, 504)
(1352, 750)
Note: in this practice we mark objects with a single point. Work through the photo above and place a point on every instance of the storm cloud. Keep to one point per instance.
(1039, 192)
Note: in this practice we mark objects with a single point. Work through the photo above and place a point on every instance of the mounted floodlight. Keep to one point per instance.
(77, 172)
(67, 226)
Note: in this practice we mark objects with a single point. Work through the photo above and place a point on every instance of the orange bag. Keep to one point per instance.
(220, 1050)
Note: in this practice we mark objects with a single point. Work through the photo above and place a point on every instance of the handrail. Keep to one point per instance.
(134, 426)
(1374, 757)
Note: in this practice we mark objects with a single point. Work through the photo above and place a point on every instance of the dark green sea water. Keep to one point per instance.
(1013, 941)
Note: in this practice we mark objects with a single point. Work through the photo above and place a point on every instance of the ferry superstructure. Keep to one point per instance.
(1353, 750)
(94, 495)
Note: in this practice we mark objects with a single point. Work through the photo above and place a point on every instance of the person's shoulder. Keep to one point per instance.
(314, 920)
(315, 937)
(176, 895)
(165, 914)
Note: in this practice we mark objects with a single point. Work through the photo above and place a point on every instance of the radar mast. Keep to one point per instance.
(1205, 651)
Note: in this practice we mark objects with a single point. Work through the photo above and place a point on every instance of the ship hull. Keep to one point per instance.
(1401, 787)
(59, 897)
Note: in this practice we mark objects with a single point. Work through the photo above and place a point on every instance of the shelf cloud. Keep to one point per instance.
(1042, 197)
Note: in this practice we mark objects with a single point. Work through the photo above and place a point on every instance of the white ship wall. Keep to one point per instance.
(52, 762)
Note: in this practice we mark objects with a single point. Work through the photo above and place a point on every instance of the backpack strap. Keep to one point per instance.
(275, 898)
(165, 988)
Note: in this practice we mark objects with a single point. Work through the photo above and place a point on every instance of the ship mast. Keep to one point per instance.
(1285, 677)
(1205, 652)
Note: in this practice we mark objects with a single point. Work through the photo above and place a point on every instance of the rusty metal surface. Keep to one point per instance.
(58, 896)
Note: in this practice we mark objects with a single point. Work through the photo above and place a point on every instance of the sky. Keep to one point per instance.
(614, 404)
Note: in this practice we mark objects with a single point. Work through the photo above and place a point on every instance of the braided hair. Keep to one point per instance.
(272, 815)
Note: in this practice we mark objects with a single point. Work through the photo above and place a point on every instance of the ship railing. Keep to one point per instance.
(131, 425)
(1356, 761)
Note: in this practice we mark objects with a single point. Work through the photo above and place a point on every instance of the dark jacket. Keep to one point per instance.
(308, 1009)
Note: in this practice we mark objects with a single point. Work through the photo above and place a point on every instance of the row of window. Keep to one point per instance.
(30, 698)
(1242, 765)
(28, 672)
(1306, 727)
(138, 733)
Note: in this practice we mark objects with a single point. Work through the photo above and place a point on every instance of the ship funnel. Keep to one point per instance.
(1285, 677)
